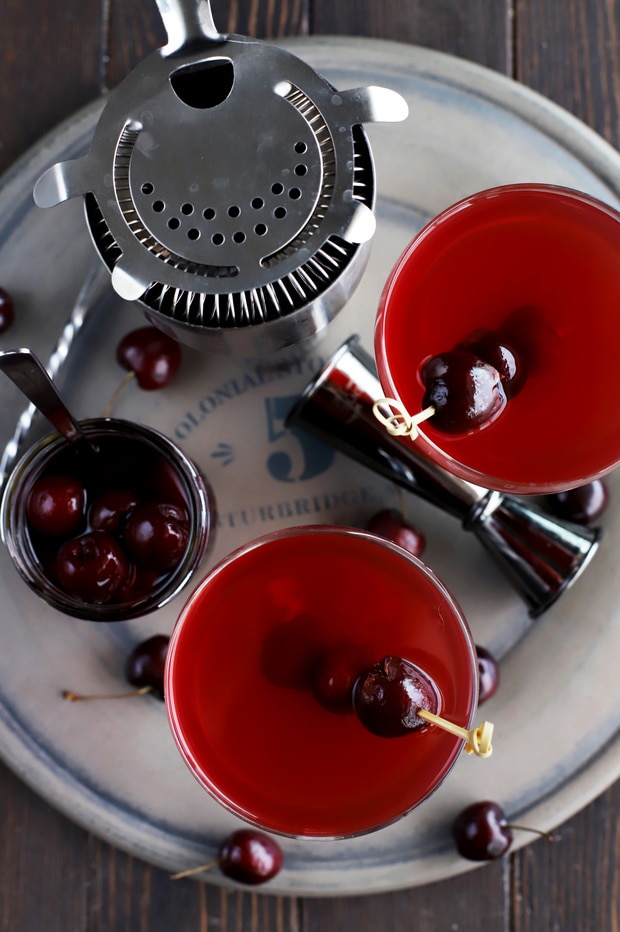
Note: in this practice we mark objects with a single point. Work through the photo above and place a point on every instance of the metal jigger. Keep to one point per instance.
(542, 556)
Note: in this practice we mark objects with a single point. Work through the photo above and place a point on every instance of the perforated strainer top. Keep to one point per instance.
(228, 185)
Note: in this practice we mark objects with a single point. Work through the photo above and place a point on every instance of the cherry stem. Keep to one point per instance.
(399, 423)
(76, 697)
(528, 828)
(193, 870)
(117, 393)
(478, 740)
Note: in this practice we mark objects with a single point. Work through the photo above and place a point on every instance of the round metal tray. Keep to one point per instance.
(112, 766)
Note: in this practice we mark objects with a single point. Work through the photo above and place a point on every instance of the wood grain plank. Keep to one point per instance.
(41, 853)
(128, 895)
(135, 28)
(570, 52)
(451, 904)
(573, 883)
(475, 29)
(63, 42)
(53, 875)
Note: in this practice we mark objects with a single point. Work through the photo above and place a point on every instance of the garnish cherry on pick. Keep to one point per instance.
(388, 697)
(394, 698)
(489, 346)
(465, 392)
(465, 388)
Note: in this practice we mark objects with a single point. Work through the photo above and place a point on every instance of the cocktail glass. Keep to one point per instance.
(538, 265)
(240, 680)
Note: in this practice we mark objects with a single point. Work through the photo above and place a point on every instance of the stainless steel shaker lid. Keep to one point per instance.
(227, 184)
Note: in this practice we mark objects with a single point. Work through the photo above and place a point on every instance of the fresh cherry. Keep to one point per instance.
(157, 534)
(488, 674)
(144, 669)
(139, 584)
(92, 567)
(151, 355)
(390, 524)
(388, 695)
(582, 505)
(490, 347)
(334, 676)
(109, 511)
(7, 310)
(481, 832)
(250, 857)
(145, 664)
(466, 392)
(55, 505)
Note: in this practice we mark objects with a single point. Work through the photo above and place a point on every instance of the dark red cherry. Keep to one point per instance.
(582, 505)
(390, 524)
(157, 534)
(152, 355)
(7, 310)
(334, 676)
(488, 674)
(92, 567)
(490, 347)
(388, 695)
(139, 584)
(146, 663)
(55, 505)
(481, 832)
(466, 392)
(109, 511)
(250, 857)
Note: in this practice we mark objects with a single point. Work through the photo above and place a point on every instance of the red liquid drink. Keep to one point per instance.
(539, 266)
(239, 680)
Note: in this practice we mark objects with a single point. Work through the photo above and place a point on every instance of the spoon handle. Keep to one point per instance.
(30, 376)
(96, 284)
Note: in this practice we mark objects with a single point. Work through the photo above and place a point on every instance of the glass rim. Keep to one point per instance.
(430, 447)
(198, 770)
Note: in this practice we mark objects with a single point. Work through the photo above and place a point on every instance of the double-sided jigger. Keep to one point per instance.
(541, 556)
(229, 188)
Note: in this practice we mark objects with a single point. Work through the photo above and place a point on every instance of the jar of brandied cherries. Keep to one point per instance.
(110, 529)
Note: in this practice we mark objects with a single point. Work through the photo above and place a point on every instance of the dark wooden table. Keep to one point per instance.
(54, 876)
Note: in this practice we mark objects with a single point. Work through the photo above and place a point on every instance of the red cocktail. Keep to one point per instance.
(538, 268)
(241, 680)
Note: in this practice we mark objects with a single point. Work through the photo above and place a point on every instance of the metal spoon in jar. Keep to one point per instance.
(29, 374)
